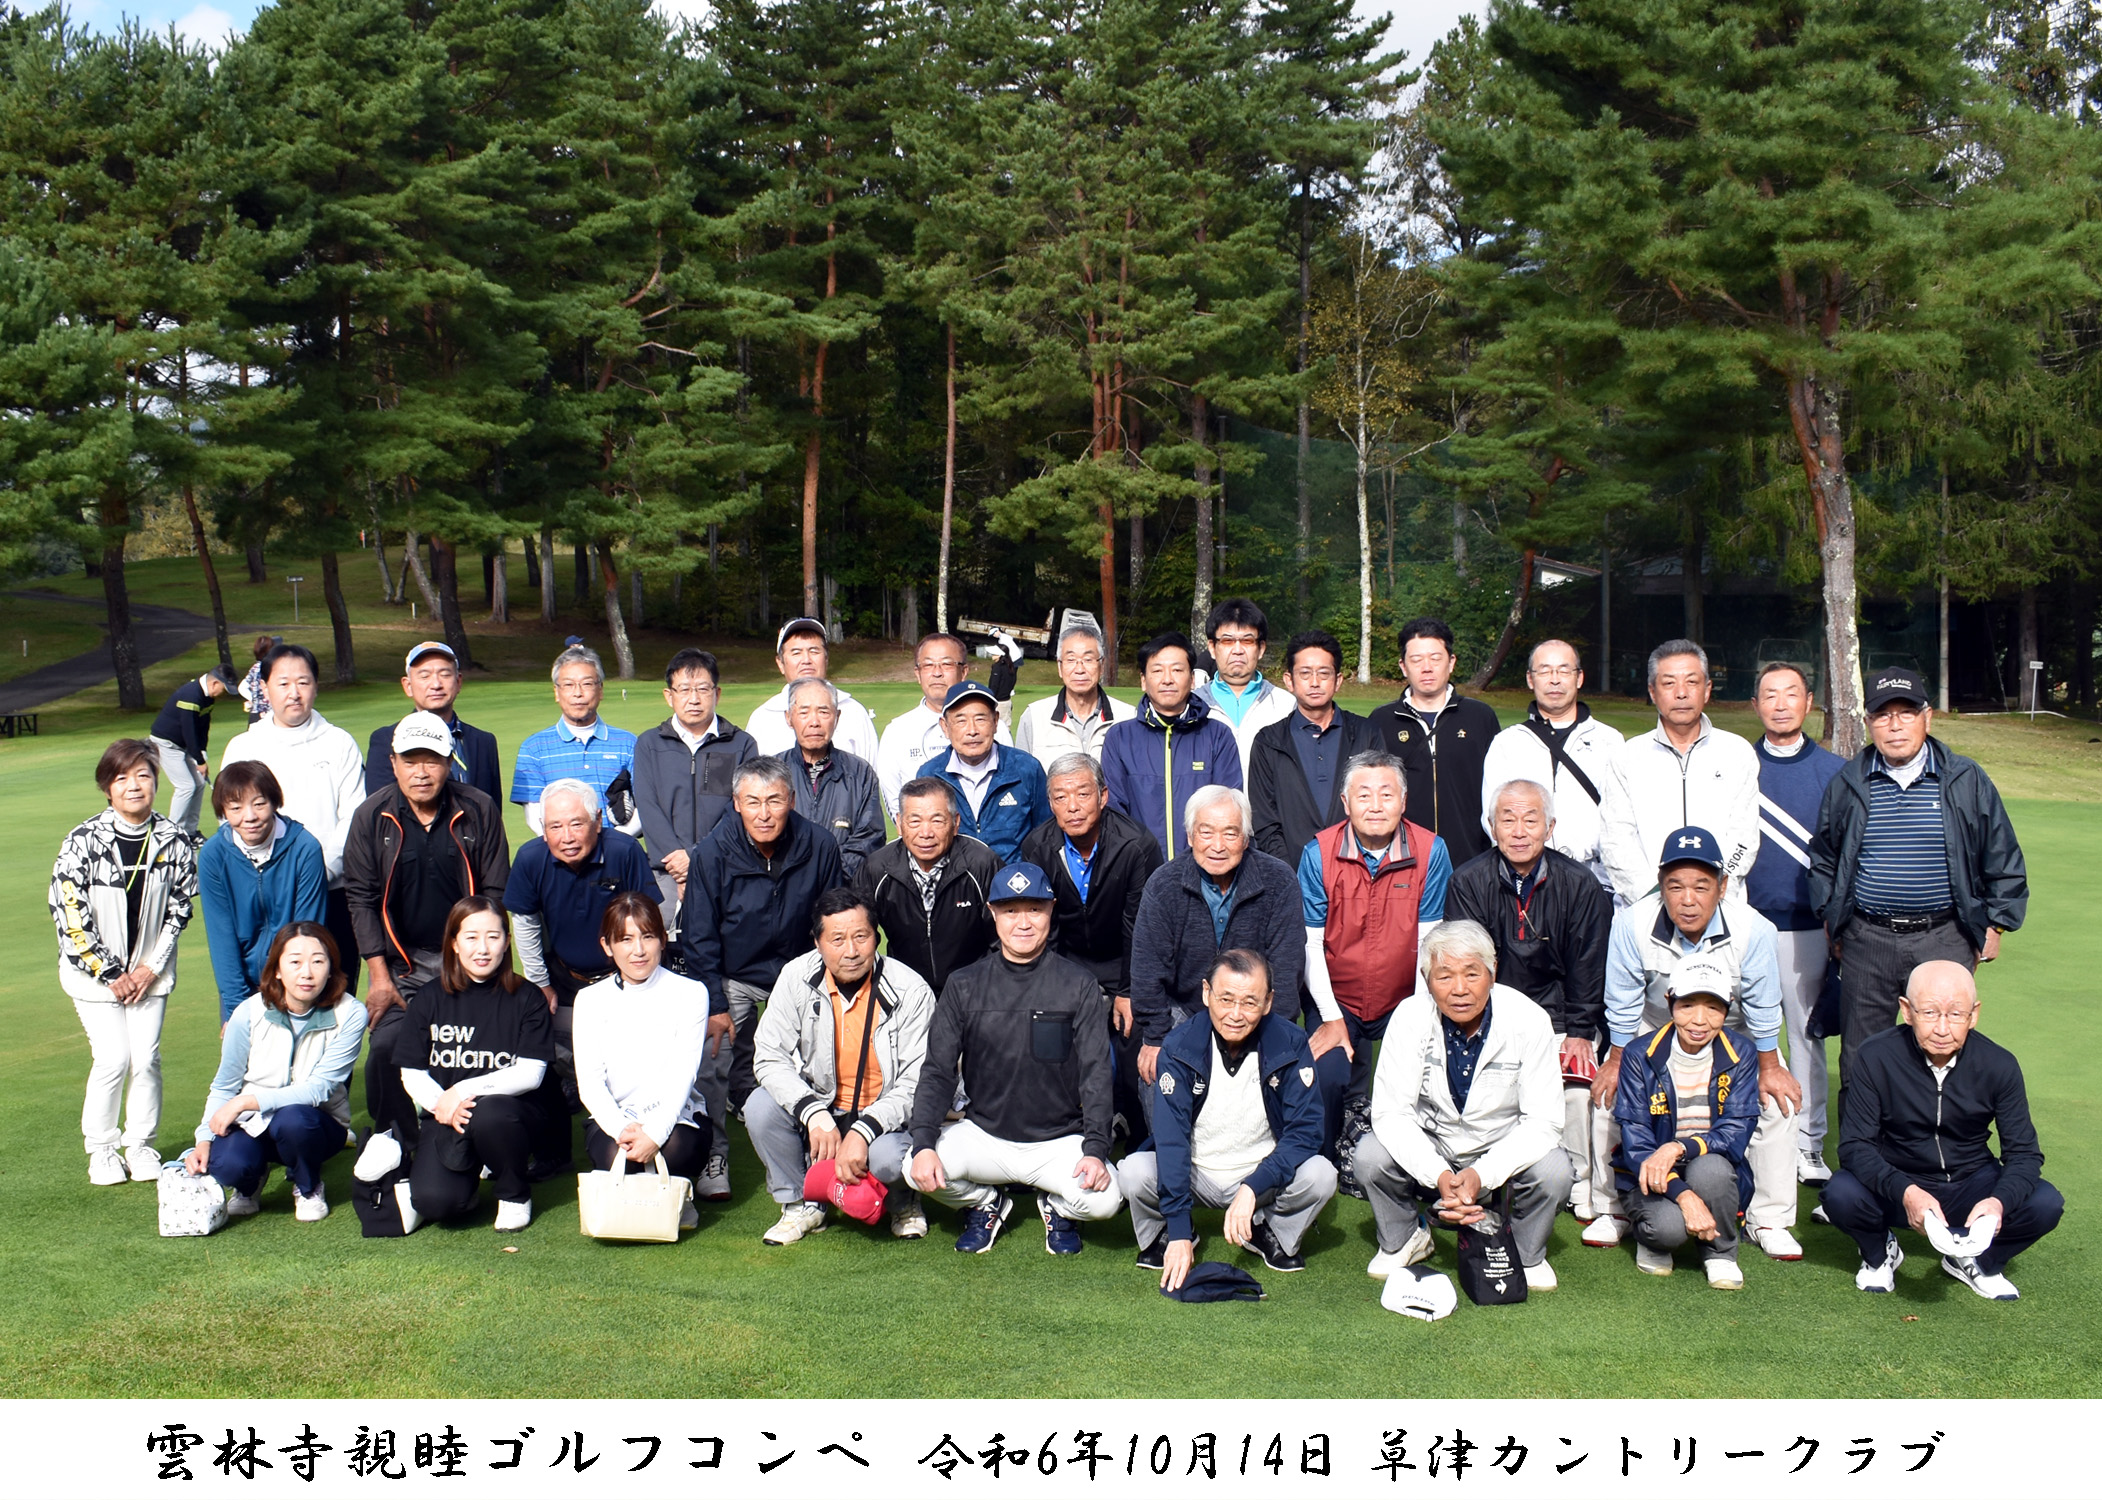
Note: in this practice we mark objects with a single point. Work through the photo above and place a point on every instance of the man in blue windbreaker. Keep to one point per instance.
(1236, 1125)
(1000, 791)
(1175, 745)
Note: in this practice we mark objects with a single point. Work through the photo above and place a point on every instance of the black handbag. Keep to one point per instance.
(378, 1206)
(1490, 1272)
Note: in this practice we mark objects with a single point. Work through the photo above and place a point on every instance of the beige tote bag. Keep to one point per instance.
(615, 1206)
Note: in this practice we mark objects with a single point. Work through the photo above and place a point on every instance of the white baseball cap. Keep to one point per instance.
(423, 731)
(1702, 974)
(1417, 1293)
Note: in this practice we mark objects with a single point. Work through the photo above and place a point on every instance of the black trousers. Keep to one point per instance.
(336, 918)
(1873, 967)
(1868, 1218)
(684, 1154)
(447, 1174)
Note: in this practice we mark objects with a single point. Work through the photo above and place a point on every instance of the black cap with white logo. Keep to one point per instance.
(1894, 686)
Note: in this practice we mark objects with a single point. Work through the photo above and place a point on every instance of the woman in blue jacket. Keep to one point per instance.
(259, 872)
(1687, 1105)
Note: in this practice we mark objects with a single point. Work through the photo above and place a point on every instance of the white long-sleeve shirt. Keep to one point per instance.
(1652, 791)
(639, 1050)
(321, 772)
(1518, 754)
(520, 1077)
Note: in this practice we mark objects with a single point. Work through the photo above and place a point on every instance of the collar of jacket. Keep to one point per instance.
(719, 728)
(1273, 1040)
(1194, 877)
(1663, 740)
(1103, 706)
(157, 831)
(317, 1018)
(1878, 761)
(1918, 1053)
(1660, 1041)
(1666, 930)
(791, 844)
(1948, 765)
(448, 806)
(1408, 704)
(1532, 713)
(1399, 855)
(1194, 712)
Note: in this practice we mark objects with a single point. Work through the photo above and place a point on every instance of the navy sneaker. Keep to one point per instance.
(1060, 1237)
(1154, 1257)
(1262, 1239)
(981, 1226)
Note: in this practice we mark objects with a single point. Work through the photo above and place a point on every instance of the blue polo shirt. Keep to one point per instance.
(571, 903)
(549, 755)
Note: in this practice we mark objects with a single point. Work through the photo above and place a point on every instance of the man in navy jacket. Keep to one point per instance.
(430, 679)
(999, 790)
(1237, 1126)
(1175, 746)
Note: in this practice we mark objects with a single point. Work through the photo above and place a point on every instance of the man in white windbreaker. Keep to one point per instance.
(1685, 772)
(1561, 747)
(319, 768)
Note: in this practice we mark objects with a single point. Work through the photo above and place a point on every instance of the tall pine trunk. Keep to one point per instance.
(500, 585)
(1364, 448)
(338, 618)
(390, 592)
(446, 560)
(1813, 411)
(211, 577)
(623, 651)
(941, 581)
(1303, 544)
(1201, 597)
(412, 564)
(583, 598)
(123, 643)
(257, 573)
(812, 449)
(1522, 594)
(547, 573)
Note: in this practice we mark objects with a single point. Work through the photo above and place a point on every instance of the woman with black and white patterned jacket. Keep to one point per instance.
(121, 893)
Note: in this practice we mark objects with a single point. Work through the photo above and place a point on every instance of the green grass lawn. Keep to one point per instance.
(99, 1303)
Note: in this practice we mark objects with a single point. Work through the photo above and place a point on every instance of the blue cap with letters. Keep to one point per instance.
(965, 692)
(1021, 881)
(1691, 846)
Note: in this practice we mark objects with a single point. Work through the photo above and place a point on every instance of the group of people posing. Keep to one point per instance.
(1231, 945)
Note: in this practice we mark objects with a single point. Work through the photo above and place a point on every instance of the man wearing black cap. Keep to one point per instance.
(430, 679)
(1172, 748)
(1914, 859)
(1024, 1028)
(999, 791)
(800, 651)
(180, 732)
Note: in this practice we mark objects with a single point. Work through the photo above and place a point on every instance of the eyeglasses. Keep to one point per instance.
(949, 663)
(1079, 659)
(1936, 1017)
(1554, 674)
(1897, 713)
(693, 690)
(1234, 1006)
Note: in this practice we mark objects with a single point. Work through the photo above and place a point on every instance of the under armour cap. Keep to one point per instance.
(1416, 1293)
(423, 731)
(1691, 846)
(1894, 686)
(1702, 974)
(1216, 1281)
(422, 649)
(964, 692)
(800, 625)
(1021, 881)
(862, 1200)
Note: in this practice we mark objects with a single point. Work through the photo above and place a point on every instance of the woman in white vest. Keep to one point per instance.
(281, 1096)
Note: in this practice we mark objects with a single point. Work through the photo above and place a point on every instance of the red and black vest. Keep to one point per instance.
(1370, 939)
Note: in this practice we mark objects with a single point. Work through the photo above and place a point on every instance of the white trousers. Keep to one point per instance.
(1587, 1135)
(978, 1165)
(1804, 956)
(124, 1042)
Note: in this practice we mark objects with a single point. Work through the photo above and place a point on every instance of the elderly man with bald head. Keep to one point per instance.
(1559, 745)
(1915, 1144)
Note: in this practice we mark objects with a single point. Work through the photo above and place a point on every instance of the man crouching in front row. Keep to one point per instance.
(1237, 1125)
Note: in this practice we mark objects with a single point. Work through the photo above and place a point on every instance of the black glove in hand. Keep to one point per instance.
(620, 798)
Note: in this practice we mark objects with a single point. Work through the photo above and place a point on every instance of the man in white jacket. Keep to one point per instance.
(916, 736)
(1561, 747)
(1685, 772)
(1467, 1099)
(319, 768)
(800, 651)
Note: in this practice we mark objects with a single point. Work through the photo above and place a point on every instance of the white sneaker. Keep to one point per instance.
(243, 1205)
(909, 1221)
(1724, 1276)
(106, 1167)
(797, 1220)
(1810, 1167)
(513, 1214)
(1777, 1242)
(1605, 1231)
(1541, 1278)
(410, 1218)
(1418, 1249)
(1652, 1262)
(382, 1154)
(310, 1208)
(714, 1181)
(144, 1163)
(1883, 1278)
(1989, 1285)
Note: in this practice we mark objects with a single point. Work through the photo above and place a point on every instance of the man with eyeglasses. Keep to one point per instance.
(1561, 747)
(1914, 859)
(916, 736)
(683, 769)
(1239, 635)
(1078, 715)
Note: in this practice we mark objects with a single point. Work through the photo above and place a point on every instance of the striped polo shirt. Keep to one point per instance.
(1904, 864)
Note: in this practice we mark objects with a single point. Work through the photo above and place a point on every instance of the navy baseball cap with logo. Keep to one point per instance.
(1021, 881)
(1691, 846)
(964, 692)
(1894, 686)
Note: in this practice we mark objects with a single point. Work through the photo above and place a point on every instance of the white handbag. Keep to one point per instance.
(645, 1206)
(189, 1205)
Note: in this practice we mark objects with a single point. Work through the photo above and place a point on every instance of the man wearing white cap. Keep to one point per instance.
(414, 848)
(430, 679)
(800, 651)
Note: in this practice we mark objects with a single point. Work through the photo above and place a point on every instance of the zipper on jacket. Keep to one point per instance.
(1167, 779)
(1939, 1154)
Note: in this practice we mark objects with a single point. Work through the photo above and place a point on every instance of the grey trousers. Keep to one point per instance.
(1660, 1225)
(745, 1000)
(785, 1150)
(1290, 1214)
(1874, 964)
(187, 791)
(1537, 1195)
(1804, 958)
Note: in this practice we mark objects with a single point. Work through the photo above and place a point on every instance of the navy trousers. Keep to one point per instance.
(299, 1138)
(1868, 1218)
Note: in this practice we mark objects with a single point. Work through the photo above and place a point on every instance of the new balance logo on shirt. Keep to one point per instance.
(459, 1055)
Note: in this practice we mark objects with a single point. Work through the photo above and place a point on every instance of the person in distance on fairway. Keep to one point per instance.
(479, 1049)
(800, 650)
(683, 769)
(1441, 738)
(281, 1096)
(838, 1057)
(257, 872)
(430, 679)
(122, 890)
(1025, 1029)
(927, 887)
(1237, 1126)
(1550, 918)
(1915, 1143)
(181, 732)
(1915, 859)
(835, 789)
(641, 1038)
(1687, 1106)
(1689, 913)
(579, 744)
(1467, 1099)
(999, 790)
(1559, 745)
